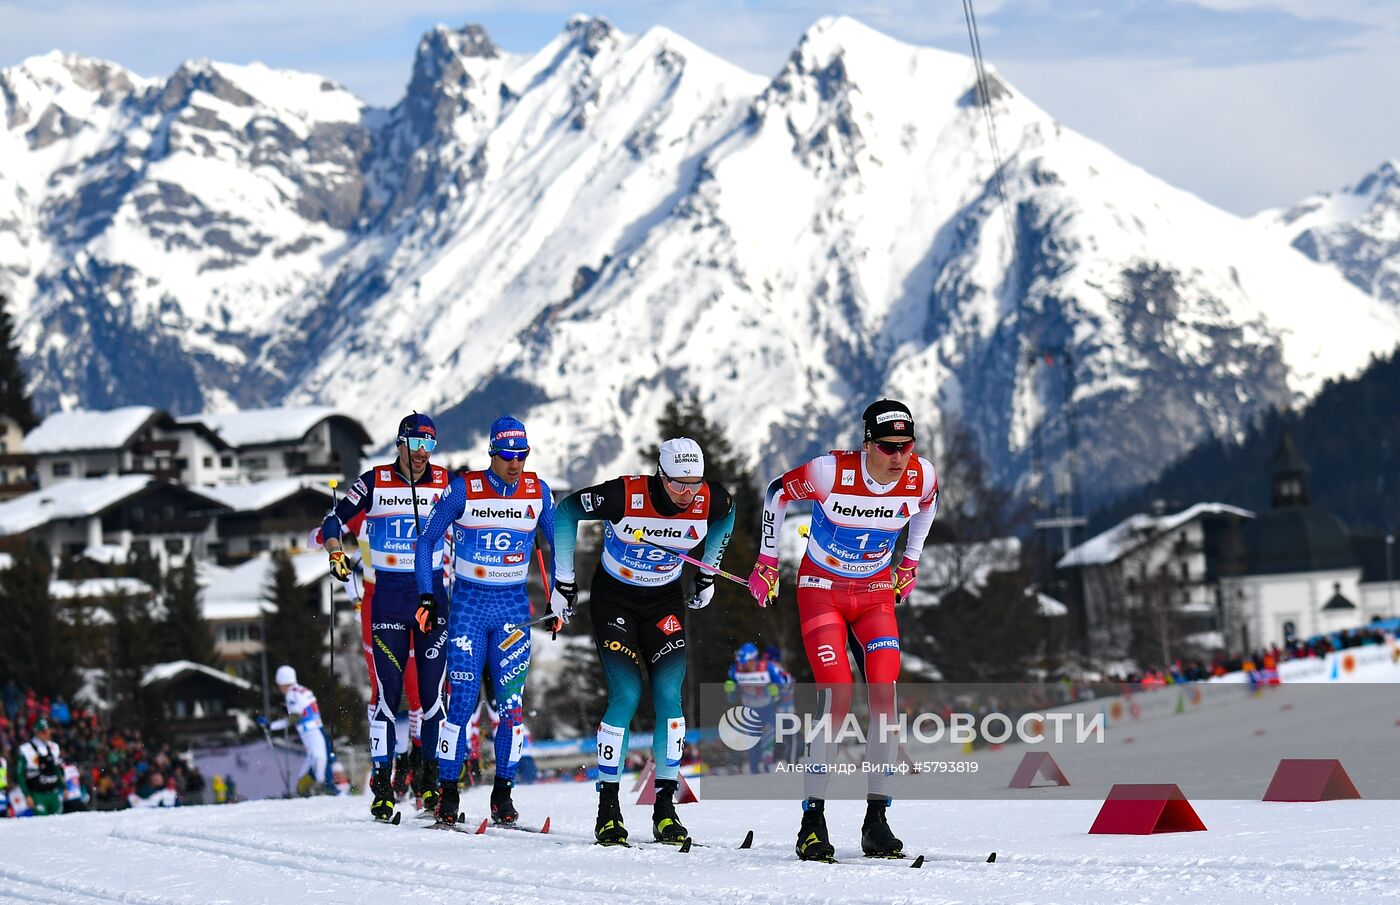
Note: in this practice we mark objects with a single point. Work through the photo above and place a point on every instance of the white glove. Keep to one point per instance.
(562, 600)
(704, 591)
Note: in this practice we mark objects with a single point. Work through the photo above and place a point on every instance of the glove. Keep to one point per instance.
(704, 591)
(561, 603)
(763, 581)
(340, 566)
(730, 686)
(426, 617)
(905, 578)
(261, 720)
(774, 690)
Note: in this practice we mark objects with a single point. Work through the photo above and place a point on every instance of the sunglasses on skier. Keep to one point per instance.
(512, 455)
(893, 449)
(414, 444)
(682, 486)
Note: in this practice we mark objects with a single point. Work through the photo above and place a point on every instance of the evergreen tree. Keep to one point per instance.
(37, 646)
(14, 392)
(132, 647)
(298, 634)
(295, 635)
(185, 634)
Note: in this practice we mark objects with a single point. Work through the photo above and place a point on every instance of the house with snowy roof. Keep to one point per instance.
(234, 600)
(290, 442)
(133, 439)
(197, 450)
(108, 518)
(1156, 580)
(275, 514)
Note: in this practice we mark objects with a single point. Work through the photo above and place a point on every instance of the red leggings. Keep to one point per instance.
(410, 676)
(833, 610)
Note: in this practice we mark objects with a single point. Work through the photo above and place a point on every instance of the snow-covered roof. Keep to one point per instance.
(261, 494)
(1049, 606)
(1135, 530)
(71, 499)
(241, 592)
(79, 430)
(257, 427)
(162, 671)
(62, 589)
(106, 553)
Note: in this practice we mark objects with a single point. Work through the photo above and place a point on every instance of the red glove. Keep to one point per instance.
(905, 578)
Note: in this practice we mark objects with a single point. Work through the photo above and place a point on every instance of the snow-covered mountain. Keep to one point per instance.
(1356, 230)
(580, 234)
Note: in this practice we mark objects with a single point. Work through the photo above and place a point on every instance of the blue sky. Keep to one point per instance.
(1247, 103)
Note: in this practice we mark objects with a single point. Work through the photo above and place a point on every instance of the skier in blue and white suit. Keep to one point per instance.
(494, 516)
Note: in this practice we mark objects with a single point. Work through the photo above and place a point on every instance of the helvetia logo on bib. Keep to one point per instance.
(741, 728)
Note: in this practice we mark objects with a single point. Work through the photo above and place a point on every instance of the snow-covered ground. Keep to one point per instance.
(326, 850)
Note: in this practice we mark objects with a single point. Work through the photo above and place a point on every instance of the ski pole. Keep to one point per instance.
(330, 717)
(697, 563)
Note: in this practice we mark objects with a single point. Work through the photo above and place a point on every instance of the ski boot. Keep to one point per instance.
(609, 829)
(502, 808)
(665, 826)
(876, 840)
(813, 843)
(403, 772)
(447, 803)
(382, 805)
(425, 781)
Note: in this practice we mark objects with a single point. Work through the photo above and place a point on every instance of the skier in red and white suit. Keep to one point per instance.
(862, 500)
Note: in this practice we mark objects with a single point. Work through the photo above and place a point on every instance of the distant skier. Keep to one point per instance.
(396, 499)
(639, 613)
(758, 683)
(302, 707)
(494, 516)
(862, 500)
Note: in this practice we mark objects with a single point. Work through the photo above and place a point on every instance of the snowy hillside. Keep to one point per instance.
(1356, 230)
(579, 234)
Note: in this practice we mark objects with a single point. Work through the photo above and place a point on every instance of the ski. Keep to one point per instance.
(389, 821)
(542, 829)
(460, 826)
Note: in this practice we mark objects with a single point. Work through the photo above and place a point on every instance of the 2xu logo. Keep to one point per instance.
(670, 625)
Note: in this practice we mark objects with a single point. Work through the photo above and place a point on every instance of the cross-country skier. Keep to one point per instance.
(395, 498)
(494, 516)
(758, 683)
(639, 613)
(407, 753)
(862, 500)
(302, 707)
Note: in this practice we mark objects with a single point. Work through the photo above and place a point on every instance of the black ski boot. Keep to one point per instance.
(609, 829)
(428, 785)
(382, 805)
(502, 808)
(403, 772)
(813, 844)
(665, 826)
(876, 840)
(447, 803)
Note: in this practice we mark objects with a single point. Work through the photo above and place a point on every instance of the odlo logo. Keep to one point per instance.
(741, 728)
